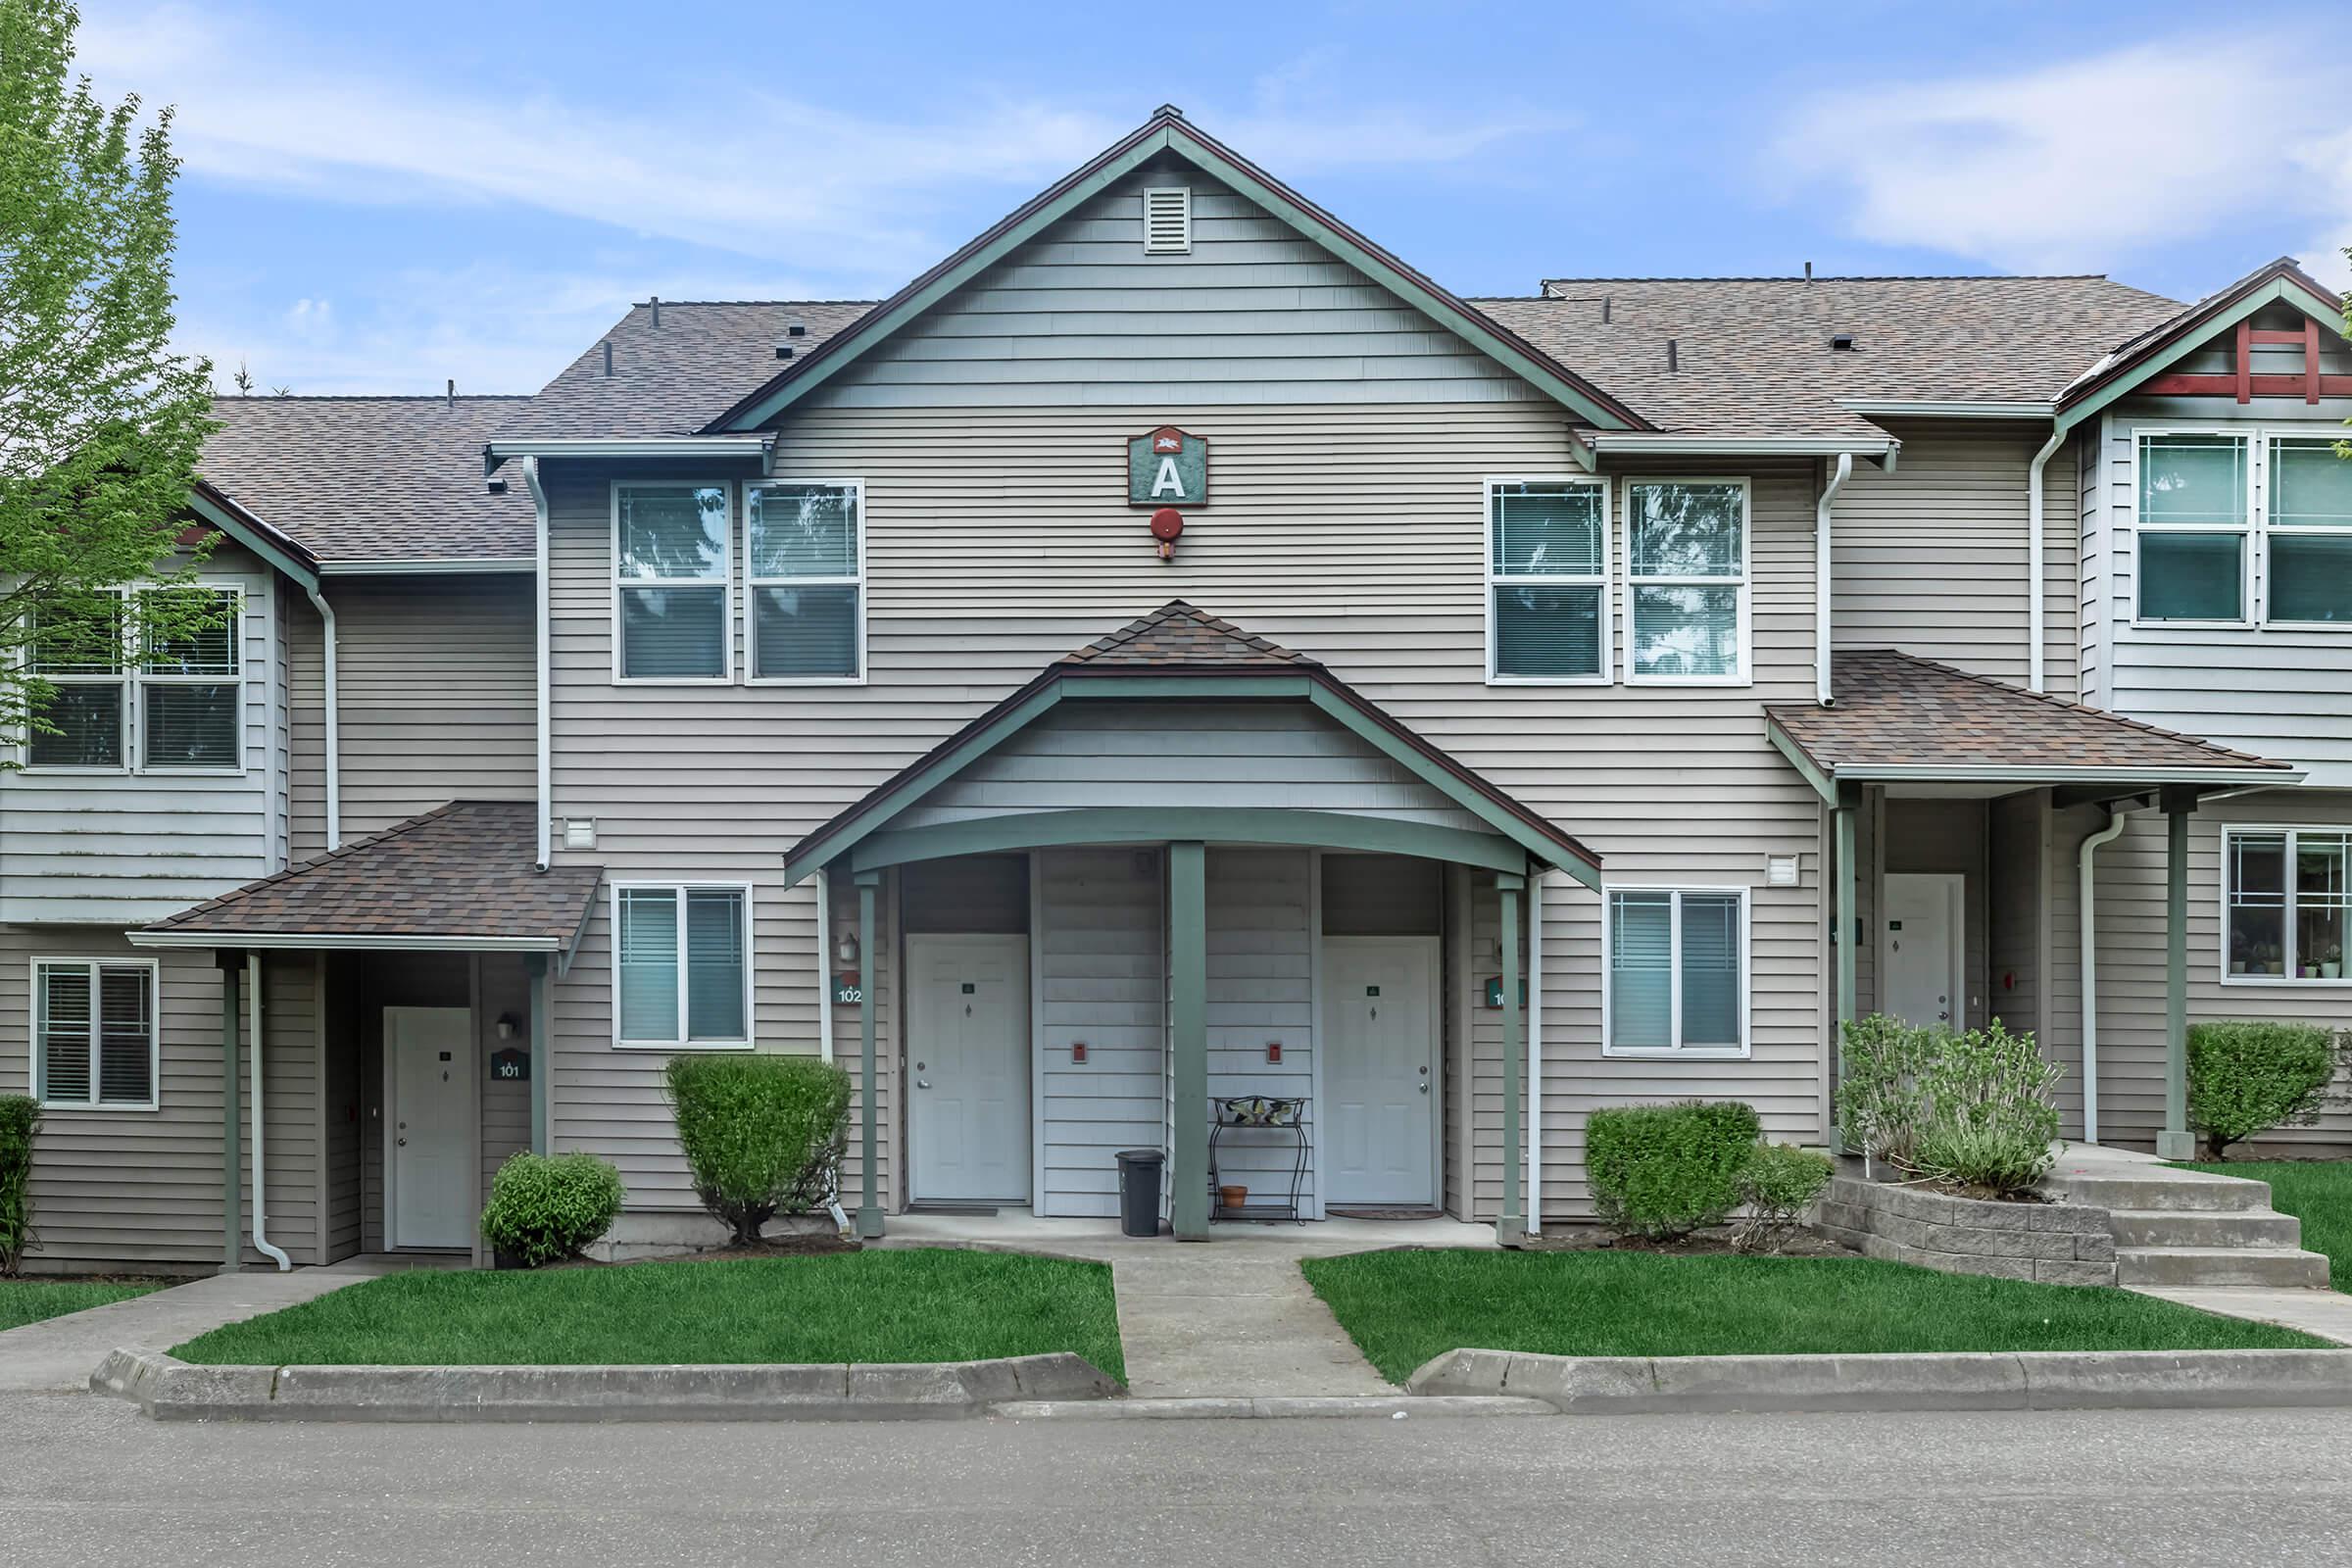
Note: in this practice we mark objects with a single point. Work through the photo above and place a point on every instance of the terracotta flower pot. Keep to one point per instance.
(1233, 1196)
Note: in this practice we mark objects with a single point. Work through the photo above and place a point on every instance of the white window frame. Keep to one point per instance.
(1674, 982)
(751, 1031)
(2270, 438)
(1745, 675)
(725, 583)
(2248, 532)
(1489, 490)
(132, 679)
(155, 1030)
(752, 586)
(2230, 832)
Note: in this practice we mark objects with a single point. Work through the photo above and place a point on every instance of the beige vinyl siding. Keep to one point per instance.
(1948, 837)
(116, 849)
(1100, 959)
(503, 991)
(437, 701)
(1261, 982)
(1932, 559)
(1254, 312)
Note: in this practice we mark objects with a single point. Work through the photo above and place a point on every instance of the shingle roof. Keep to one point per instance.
(675, 378)
(1898, 711)
(1177, 633)
(467, 870)
(2121, 357)
(1753, 354)
(370, 479)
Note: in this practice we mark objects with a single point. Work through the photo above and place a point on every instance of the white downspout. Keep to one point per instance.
(2116, 822)
(2033, 565)
(1532, 1209)
(824, 962)
(547, 805)
(334, 724)
(1821, 576)
(261, 1191)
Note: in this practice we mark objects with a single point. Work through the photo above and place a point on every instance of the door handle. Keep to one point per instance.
(922, 1083)
(1425, 1087)
(400, 1143)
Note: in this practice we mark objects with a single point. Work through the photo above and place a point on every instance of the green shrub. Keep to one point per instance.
(1777, 1184)
(1877, 1099)
(761, 1134)
(548, 1206)
(1663, 1171)
(19, 1115)
(1987, 1119)
(2246, 1078)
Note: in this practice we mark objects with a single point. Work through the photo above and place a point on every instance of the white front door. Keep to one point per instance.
(1378, 1119)
(1918, 948)
(967, 1043)
(430, 1137)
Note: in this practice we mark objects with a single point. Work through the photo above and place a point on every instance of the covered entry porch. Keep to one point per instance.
(1185, 893)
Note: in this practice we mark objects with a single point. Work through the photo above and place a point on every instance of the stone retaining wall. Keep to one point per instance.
(2057, 1244)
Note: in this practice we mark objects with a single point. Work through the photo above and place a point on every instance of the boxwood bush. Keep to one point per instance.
(762, 1135)
(1663, 1171)
(544, 1207)
(2246, 1078)
(19, 1115)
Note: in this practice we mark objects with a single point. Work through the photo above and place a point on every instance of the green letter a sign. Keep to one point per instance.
(1168, 467)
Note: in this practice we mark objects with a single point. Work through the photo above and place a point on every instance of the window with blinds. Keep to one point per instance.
(807, 581)
(1548, 563)
(1687, 580)
(94, 1035)
(1167, 220)
(173, 704)
(681, 973)
(671, 549)
(1677, 971)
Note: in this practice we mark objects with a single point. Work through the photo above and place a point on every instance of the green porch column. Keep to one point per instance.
(869, 1203)
(232, 1125)
(1188, 1031)
(542, 970)
(2175, 1141)
(1511, 1228)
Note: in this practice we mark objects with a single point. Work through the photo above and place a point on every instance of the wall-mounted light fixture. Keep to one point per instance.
(507, 1026)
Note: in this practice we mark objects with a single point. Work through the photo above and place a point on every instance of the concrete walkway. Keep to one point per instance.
(1229, 1316)
(58, 1354)
(2326, 1314)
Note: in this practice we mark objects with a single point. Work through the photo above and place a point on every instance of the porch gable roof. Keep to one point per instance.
(1180, 652)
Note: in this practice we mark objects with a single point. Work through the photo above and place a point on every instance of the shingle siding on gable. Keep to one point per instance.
(1252, 314)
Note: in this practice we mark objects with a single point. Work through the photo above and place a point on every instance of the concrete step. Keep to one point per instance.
(2219, 1265)
(2193, 1227)
(2191, 1191)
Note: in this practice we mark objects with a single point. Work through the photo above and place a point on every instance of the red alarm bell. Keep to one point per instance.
(1167, 526)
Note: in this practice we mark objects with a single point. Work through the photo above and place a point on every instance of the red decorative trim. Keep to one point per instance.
(2276, 335)
(2244, 387)
(2310, 361)
(2245, 362)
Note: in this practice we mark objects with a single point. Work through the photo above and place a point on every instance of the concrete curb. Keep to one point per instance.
(1229, 1407)
(2032, 1380)
(171, 1390)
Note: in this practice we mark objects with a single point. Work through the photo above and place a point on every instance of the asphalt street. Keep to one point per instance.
(86, 1480)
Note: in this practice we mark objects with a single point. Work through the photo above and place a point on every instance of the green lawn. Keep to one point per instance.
(926, 1304)
(2317, 1192)
(1403, 1308)
(25, 1301)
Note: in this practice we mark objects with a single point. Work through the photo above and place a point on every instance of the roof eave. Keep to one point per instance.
(217, 507)
(749, 444)
(341, 940)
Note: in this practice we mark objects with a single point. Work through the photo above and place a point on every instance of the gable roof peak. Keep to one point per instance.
(1179, 634)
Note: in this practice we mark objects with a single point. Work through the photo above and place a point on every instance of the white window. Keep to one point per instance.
(171, 704)
(2308, 518)
(2285, 899)
(93, 1033)
(1677, 961)
(1686, 571)
(2195, 498)
(682, 969)
(673, 614)
(1548, 574)
(805, 545)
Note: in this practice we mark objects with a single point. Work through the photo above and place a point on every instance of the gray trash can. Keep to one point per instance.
(1139, 1191)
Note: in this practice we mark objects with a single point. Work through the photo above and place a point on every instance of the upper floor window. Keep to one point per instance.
(671, 553)
(682, 974)
(807, 578)
(1686, 606)
(93, 1033)
(2285, 901)
(2310, 533)
(173, 703)
(1547, 570)
(2195, 497)
(1677, 971)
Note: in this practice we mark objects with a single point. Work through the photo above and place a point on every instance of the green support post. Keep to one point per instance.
(1511, 1228)
(869, 1203)
(1188, 1020)
(2175, 1141)
(542, 970)
(233, 1129)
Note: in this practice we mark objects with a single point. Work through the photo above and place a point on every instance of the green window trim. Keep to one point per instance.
(1548, 603)
(2286, 904)
(682, 961)
(1675, 965)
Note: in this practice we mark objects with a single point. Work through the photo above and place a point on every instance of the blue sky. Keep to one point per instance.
(379, 197)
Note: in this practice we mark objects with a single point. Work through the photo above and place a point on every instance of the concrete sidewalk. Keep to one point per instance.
(58, 1354)
(2326, 1314)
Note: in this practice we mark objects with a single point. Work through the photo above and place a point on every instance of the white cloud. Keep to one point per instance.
(2067, 166)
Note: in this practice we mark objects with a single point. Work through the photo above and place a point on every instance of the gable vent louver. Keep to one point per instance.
(1167, 220)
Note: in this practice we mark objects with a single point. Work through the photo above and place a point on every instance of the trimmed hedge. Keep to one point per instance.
(1777, 1184)
(19, 1115)
(2246, 1078)
(1663, 1171)
(762, 1135)
(544, 1207)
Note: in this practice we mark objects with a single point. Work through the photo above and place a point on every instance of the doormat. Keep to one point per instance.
(919, 1207)
(1355, 1213)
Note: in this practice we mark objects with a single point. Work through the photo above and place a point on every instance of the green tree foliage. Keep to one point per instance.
(20, 1114)
(101, 423)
